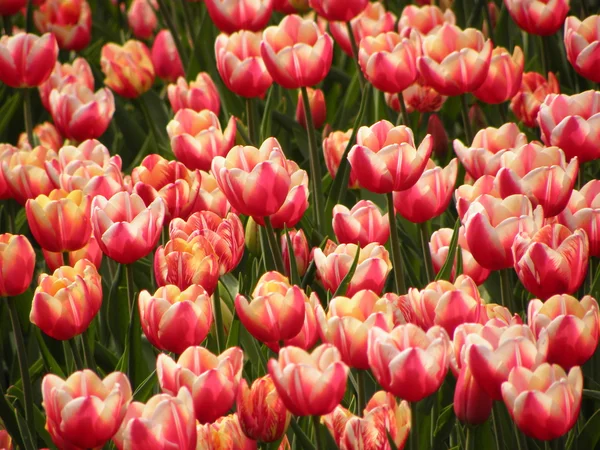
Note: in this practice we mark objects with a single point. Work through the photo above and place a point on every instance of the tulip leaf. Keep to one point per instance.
(294, 277)
(144, 390)
(265, 125)
(591, 394)
(393, 445)
(233, 340)
(157, 117)
(117, 304)
(49, 360)
(25, 433)
(106, 360)
(7, 414)
(446, 270)
(343, 287)
(303, 439)
(8, 110)
(35, 371)
(589, 435)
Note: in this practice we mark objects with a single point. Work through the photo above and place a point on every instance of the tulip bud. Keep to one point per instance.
(27, 60)
(581, 43)
(5, 440)
(252, 237)
(334, 146)
(142, 19)
(316, 100)
(69, 21)
(47, 135)
(197, 95)
(436, 129)
(471, 404)
(165, 57)
(128, 68)
(17, 263)
(300, 249)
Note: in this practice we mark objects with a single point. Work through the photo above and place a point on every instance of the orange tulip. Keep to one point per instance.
(417, 97)
(91, 251)
(17, 263)
(46, 133)
(128, 68)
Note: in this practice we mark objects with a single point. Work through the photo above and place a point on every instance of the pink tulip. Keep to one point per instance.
(141, 18)
(467, 193)
(300, 249)
(540, 17)
(417, 97)
(503, 80)
(46, 133)
(525, 105)
(316, 100)
(234, 15)
(362, 225)
(165, 58)
(17, 264)
(199, 94)
(582, 42)
(425, 19)
(471, 404)
(78, 72)
(27, 60)
(333, 150)
(69, 21)
(583, 213)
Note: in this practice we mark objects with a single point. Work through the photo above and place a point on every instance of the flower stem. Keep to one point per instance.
(354, 47)
(129, 282)
(315, 167)
(403, 111)
(414, 428)
(465, 117)
(76, 356)
(274, 246)
(360, 394)
(425, 237)
(395, 246)
(22, 357)
(317, 426)
(218, 320)
(506, 291)
(28, 116)
(251, 119)
(88, 354)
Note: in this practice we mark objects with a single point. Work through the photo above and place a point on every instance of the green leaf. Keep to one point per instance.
(157, 119)
(294, 277)
(233, 340)
(8, 110)
(446, 270)
(393, 445)
(265, 125)
(303, 439)
(49, 360)
(591, 394)
(144, 390)
(343, 287)
(117, 305)
(7, 414)
(25, 432)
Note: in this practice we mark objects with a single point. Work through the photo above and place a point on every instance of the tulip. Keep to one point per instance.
(60, 222)
(336, 10)
(471, 404)
(334, 146)
(431, 194)
(91, 251)
(467, 194)
(500, 316)
(78, 72)
(371, 272)
(196, 138)
(125, 227)
(389, 61)
(141, 18)
(66, 302)
(455, 61)
(234, 15)
(540, 17)
(316, 100)
(27, 60)
(372, 21)
(362, 225)
(409, 362)
(224, 434)
(572, 122)
(385, 158)
(534, 89)
(46, 133)
(255, 181)
(174, 319)
(504, 76)
(582, 45)
(69, 21)
(90, 150)
(165, 58)
(276, 311)
(5, 440)
(309, 383)
(211, 197)
(261, 412)
(552, 260)
(417, 97)
(582, 212)
(197, 95)
(83, 410)
(435, 128)
(164, 422)
(11, 7)
(6, 152)
(425, 19)
(92, 178)
(491, 225)
(545, 402)
(128, 68)
(17, 263)
(296, 52)
(212, 380)
(300, 251)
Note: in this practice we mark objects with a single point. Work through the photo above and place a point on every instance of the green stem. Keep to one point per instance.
(469, 439)
(395, 246)
(497, 433)
(76, 355)
(517, 436)
(315, 166)
(546, 445)
(22, 357)
(65, 258)
(425, 237)
(542, 44)
(174, 32)
(151, 124)
(465, 117)
(130, 287)
(403, 111)
(354, 47)
(251, 119)
(188, 22)
(360, 394)
(29, 17)
(28, 117)
(274, 246)
(7, 25)
(218, 320)
(506, 290)
(317, 426)
(90, 361)
(414, 427)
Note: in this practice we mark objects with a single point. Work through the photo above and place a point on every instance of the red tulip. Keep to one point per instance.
(540, 17)
(165, 58)
(425, 19)
(128, 68)
(362, 225)
(534, 89)
(70, 21)
(333, 150)
(316, 100)
(11, 7)
(300, 250)
(78, 72)
(234, 15)
(27, 60)
(582, 42)
(197, 95)
(471, 404)
(336, 10)
(17, 263)
(583, 213)
(141, 18)
(503, 80)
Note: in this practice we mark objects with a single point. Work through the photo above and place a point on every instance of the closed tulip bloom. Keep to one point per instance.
(197, 138)
(128, 68)
(300, 251)
(425, 19)
(141, 18)
(334, 146)
(83, 410)
(27, 60)
(435, 127)
(409, 362)
(234, 15)
(165, 58)
(385, 159)
(484, 156)
(174, 319)
(92, 178)
(69, 21)
(491, 225)
(552, 260)
(60, 222)
(467, 193)
(211, 197)
(431, 194)
(198, 94)
(224, 434)
(582, 42)
(296, 52)
(417, 97)
(336, 10)
(77, 72)
(316, 99)
(212, 380)
(371, 272)
(309, 384)
(583, 212)
(46, 133)
(471, 404)
(11, 7)
(164, 422)
(503, 80)
(545, 402)
(389, 61)
(17, 263)
(541, 173)
(439, 246)
(261, 412)
(91, 251)
(5, 440)
(572, 122)
(372, 21)
(455, 61)
(125, 227)
(255, 181)
(362, 225)
(534, 89)
(540, 17)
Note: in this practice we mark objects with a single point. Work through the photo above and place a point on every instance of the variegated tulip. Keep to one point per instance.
(165, 57)
(470, 333)
(417, 97)
(334, 146)
(17, 263)
(425, 19)
(582, 42)
(234, 15)
(371, 272)
(318, 108)
(125, 227)
(296, 52)
(362, 225)
(27, 60)
(583, 212)
(92, 178)
(540, 17)
(471, 403)
(552, 260)
(224, 434)
(198, 94)
(77, 72)
(455, 61)
(174, 319)
(141, 18)
(165, 422)
(503, 80)
(90, 150)
(409, 362)
(300, 251)
(212, 380)
(309, 384)
(91, 251)
(197, 138)
(46, 133)
(572, 122)
(84, 411)
(211, 197)
(570, 326)
(69, 21)
(545, 402)
(534, 89)
(467, 193)
(385, 159)
(128, 68)
(261, 412)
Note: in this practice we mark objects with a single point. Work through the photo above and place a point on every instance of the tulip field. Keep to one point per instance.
(300, 224)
